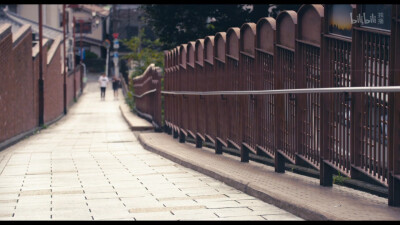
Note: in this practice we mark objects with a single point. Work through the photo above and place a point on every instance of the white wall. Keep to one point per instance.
(51, 13)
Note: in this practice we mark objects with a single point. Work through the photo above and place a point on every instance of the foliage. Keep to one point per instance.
(130, 99)
(178, 24)
(339, 179)
(144, 52)
(90, 55)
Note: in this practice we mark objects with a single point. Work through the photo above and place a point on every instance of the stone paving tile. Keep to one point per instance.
(102, 195)
(208, 216)
(179, 203)
(7, 197)
(281, 217)
(141, 202)
(154, 216)
(110, 213)
(104, 203)
(229, 212)
(266, 210)
(220, 204)
(71, 214)
(90, 166)
(6, 211)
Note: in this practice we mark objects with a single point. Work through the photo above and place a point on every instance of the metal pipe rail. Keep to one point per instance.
(147, 92)
(289, 91)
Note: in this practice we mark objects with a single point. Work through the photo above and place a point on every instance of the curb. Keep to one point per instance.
(248, 188)
(130, 124)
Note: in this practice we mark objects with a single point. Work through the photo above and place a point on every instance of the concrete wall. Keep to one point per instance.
(51, 13)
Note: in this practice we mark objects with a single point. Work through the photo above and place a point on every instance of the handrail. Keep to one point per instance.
(147, 92)
(289, 91)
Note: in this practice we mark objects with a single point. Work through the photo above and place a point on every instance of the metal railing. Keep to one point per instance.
(147, 95)
(308, 94)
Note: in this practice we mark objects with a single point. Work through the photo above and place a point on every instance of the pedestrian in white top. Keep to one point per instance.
(103, 81)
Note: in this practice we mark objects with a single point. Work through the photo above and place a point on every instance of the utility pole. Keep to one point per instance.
(65, 64)
(107, 45)
(74, 58)
(41, 82)
(81, 55)
(116, 46)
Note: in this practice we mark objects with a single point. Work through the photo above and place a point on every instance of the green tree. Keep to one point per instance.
(144, 52)
(178, 24)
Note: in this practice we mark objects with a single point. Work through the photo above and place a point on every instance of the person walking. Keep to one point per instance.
(103, 81)
(115, 86)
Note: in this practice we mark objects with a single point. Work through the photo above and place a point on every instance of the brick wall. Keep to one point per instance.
(22, 83)
(70, 85)
(6, 129)
(53, 86)
(19, 86)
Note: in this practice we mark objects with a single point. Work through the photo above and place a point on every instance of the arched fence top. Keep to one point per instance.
(310, 20)
(248, 35)
(190, 53)
(209, 49)
(219, 47)
(176, 56)
(199, 49)
(232, 42)
(286, 28)
(182, 55)
(266, 28)
(166, 59)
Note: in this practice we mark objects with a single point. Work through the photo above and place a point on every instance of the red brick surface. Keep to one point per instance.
(5, 96)
(19, 88)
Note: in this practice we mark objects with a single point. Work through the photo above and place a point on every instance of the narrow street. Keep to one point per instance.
(90, 166)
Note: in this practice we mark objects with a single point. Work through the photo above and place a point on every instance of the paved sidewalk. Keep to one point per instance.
(300, 195)
(90, 166)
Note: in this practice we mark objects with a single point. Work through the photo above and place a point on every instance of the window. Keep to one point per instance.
(86, 27)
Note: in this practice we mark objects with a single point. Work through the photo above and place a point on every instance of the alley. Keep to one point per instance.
(90, 166)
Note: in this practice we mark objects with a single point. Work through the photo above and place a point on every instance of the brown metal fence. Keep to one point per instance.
(147, 93)
(354, 133)
(200, 82)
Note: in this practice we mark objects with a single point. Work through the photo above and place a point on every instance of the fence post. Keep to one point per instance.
(285, 71)
(182, 99)
(250, 81)
(209, 86)
(394, 111)
(199, 83)
(221, 81)
(265, 41)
